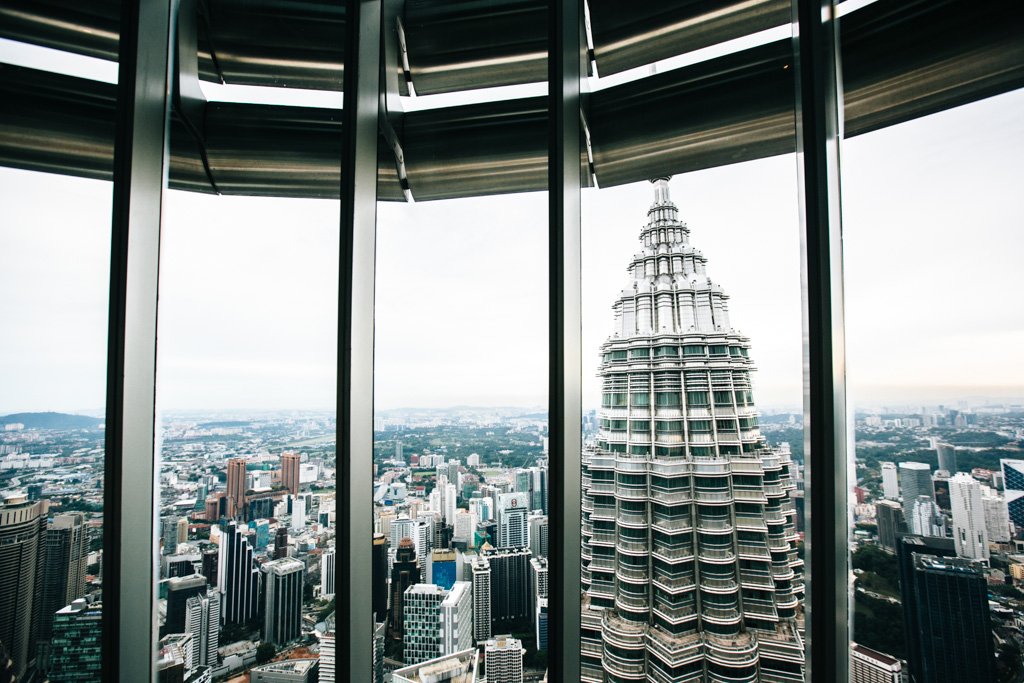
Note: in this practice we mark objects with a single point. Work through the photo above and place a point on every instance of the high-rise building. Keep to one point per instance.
(539, 535)
(871, 666)
(169, 535)
(947, 457)
(510, 585)
(513, 515)
(202, 620)
(378, 653)
(327, 574)
(541, 624)
(290, 465)
(421, 639)
(67, 556)
(457, 618)
(282, 600)
(380, 577)
(889, 517)
(481, 577)
(236, 487)
(281, 542)
(915, 481)
(182, 530)
(925, 517)
(22, 569)
(405, 572)
(442, 568)
(238, 578)
(969, 531)
(953, 640)
(538, 581)
(179, 590)
(399, 456)
(1013, 490)
(689, 546)
(328, 651)
(298, 514)
(465, 523)
(997, 521)
(890, 481)
(940, 489)
(76, 644)
(210, 561)
(184, 646)
(503, 660)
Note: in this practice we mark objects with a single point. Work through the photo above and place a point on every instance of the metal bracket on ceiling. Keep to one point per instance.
(187, 98)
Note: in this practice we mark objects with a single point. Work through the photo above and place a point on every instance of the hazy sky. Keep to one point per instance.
(934, 230)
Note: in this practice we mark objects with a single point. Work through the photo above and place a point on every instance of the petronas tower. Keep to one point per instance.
(690, 567)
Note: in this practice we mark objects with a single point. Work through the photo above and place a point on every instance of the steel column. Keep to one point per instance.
(825, 440)
(130, 485)
(564, 357)
(354, 575)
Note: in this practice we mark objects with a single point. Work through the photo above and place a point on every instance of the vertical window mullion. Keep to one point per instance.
(818, 133)
(565, 359)
(353, 571)
(140, 170)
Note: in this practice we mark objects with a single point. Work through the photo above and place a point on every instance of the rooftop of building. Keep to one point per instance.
(460, 667)
(874, 654)
(296, 666)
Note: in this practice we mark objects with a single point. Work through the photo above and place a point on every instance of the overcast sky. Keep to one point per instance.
(934, 232)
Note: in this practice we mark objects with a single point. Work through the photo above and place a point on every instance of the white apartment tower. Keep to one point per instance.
(202, 620)
(997, 520)
(457, 619)
(890, 481)
(690, 564)
(969, 534)
(437, 621)
(503, 660)
(513, 520)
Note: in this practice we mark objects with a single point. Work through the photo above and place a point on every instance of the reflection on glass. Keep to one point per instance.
(931, 229)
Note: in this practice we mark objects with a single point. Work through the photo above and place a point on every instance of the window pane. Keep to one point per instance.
(931, 210)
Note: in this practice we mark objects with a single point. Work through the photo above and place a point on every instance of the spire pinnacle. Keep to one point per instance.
(661, 195)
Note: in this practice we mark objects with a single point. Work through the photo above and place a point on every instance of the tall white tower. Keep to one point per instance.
(689, 548)
(969, 534)
(890, 481)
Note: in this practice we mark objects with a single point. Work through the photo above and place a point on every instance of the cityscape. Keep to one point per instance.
(692, 524)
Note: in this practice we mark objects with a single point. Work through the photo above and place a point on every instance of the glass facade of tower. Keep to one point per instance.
(690, 564)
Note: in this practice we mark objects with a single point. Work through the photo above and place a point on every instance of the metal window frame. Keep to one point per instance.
(140, 173)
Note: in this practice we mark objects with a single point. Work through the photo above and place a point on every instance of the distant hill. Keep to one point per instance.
(52, 421)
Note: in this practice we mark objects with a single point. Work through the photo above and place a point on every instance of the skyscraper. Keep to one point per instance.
(953, 641)
(969, 531)
(689, 547)
(442, 568)
(503, 660)
(281, 542)
(236, 487)
(510, 585)
(871, 666)
(380, 577)
(237, 576)
(997, 521)
(421, 639)
(22, 557)
(889, 516)
(290, 463)
(202, 620)
(282, 600)
(179, 590)
(915, 481)
(75, 651)
(405, 572)
(1013, 490)
(457, 618)
(947, 457)
(890, 481)
(481, 576)
(513, 515)
(327, 574)
(539, 535)
(328, 651)
(67, 556)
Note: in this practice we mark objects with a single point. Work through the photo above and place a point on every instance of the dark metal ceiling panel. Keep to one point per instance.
(463, 44)
(631, 34)
(735, 108)
(902, 60)
(899, 64)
